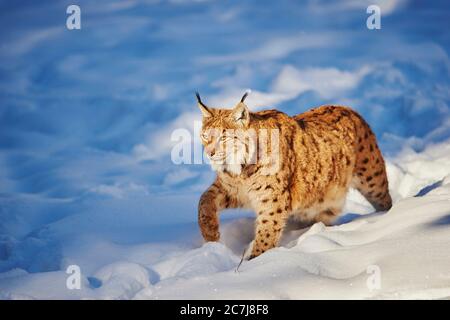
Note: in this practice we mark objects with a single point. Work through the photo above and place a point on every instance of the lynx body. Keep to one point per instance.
(322, 153)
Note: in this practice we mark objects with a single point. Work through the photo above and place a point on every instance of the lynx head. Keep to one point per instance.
(227, 136)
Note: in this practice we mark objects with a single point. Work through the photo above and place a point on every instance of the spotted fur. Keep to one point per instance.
(323, 152)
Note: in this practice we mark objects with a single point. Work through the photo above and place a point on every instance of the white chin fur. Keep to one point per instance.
(233, 168)
(217, 166)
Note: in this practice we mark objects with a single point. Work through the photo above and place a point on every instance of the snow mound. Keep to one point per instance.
(408, 245)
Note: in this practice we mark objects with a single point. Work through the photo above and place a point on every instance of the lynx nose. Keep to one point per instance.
(210, 151)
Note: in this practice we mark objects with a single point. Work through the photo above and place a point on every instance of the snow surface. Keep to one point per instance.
(409, 245)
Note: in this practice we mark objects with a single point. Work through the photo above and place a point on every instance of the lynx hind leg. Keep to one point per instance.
(328, 217)
(369, 176)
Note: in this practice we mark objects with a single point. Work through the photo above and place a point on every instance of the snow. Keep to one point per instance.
(399, 254)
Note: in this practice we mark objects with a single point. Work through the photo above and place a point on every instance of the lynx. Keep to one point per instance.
(322, 153)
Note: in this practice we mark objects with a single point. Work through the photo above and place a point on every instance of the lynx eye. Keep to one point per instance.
(204, 136)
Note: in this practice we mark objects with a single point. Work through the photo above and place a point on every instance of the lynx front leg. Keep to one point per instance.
(268, 233)
(270, 223)
(212, 201)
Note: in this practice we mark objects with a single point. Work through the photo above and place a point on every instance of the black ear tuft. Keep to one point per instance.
(244, 96)
(205, 110)
(199, 100)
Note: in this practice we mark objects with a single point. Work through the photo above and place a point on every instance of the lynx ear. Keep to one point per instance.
(203, 108)
(241, 114)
